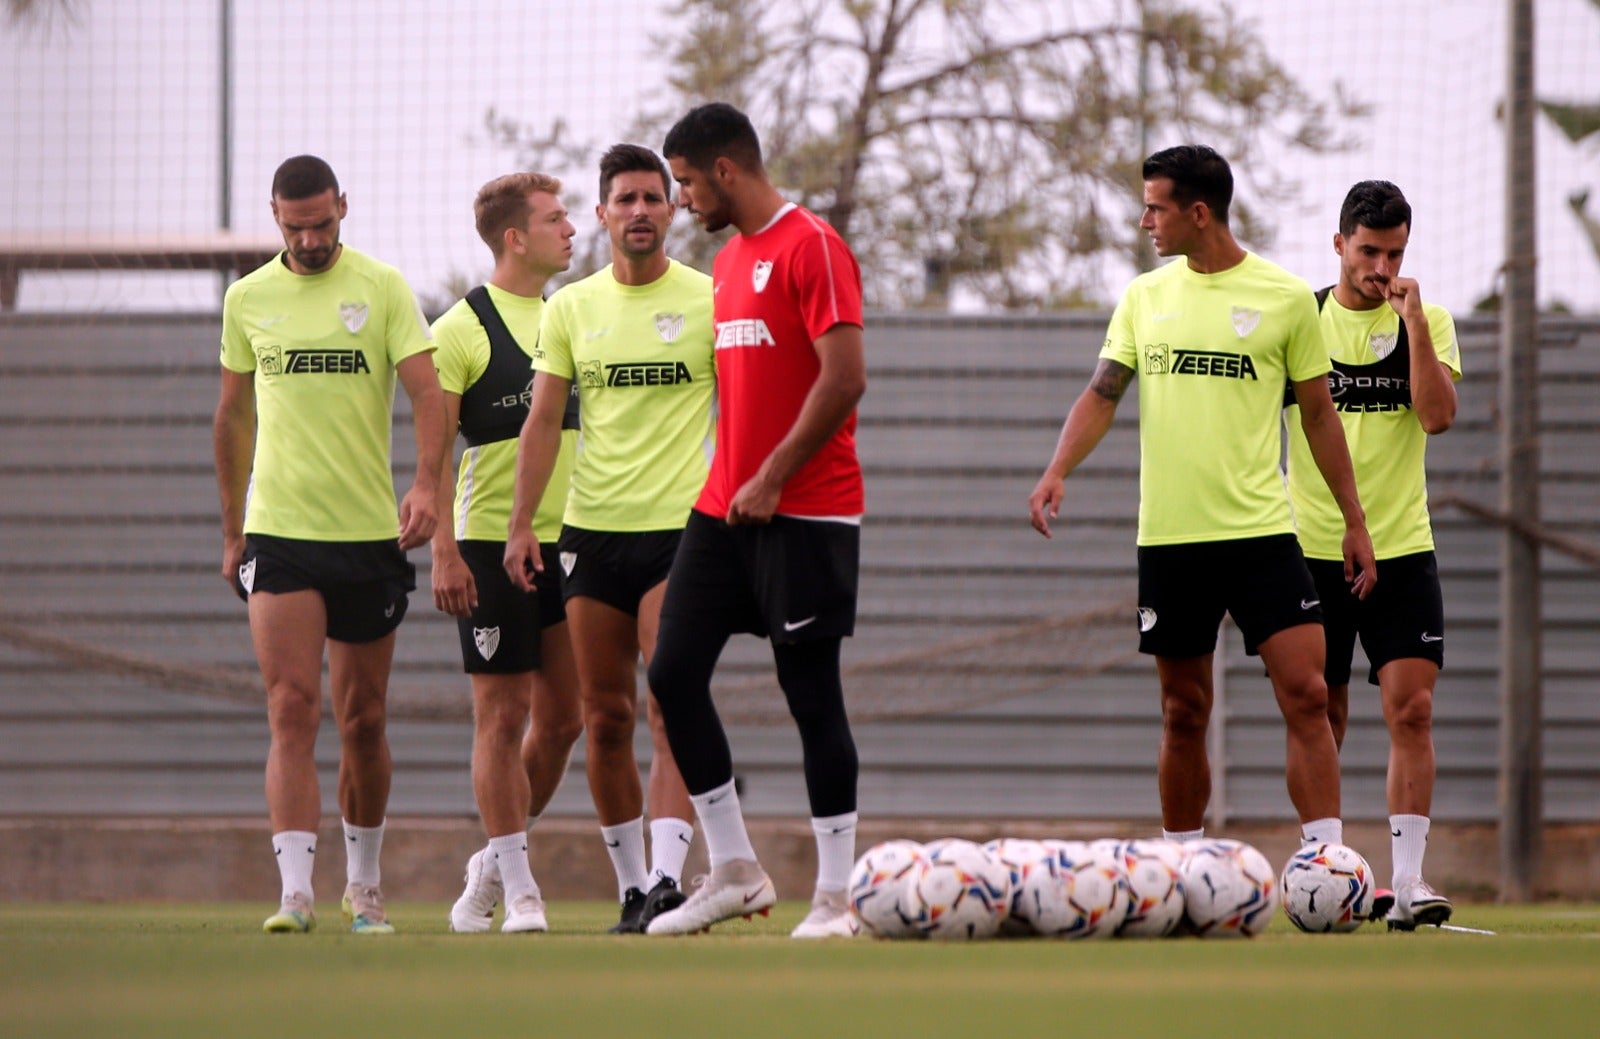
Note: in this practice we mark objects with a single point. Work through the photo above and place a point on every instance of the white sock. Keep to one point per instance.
(723, 824)
(669, 846)
(510, 856)
(297, 852)
(836, 850)
(625, 845)
(1409, 835)
(362, 846)
(1182, 836)
(1322, 831)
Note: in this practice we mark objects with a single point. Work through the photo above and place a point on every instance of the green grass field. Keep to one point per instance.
(206, 970)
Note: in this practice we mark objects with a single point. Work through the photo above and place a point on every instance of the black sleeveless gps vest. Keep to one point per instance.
(1383, 386)
(494, 407)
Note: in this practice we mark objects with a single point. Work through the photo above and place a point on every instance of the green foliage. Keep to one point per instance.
(993, 142)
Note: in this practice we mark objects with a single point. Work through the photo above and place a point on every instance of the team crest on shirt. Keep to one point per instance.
(669, 326)
(247, 576)
(760, 273)
(1155, 359)
(1382, 344)
(270, 360)
(1245, 320)
(487, 640)
(568, 561)
(589, 374)
(354, 315)
(1147, 618)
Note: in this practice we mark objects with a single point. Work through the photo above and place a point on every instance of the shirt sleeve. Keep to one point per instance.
(1120, 344)
(826, 282)
(453, 356)
(553, 351)
(1307, 355)
(237, 354)
(406, 330)
(1442, 328)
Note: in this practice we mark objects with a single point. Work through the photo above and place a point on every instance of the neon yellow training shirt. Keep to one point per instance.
(1387, 443)
(487, 473)
(1212, 352)
(323, 348)
(645, 368)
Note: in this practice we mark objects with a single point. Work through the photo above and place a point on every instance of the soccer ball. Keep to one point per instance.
(1155, 888)
(1074, 892)
(1327, 887)
(880, 885)
(959, 891)
(1229, 889)
(1017, 855)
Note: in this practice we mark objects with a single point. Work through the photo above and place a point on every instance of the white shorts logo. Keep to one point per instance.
(247, 576)
(354, 315)
(568, 561)
(1245, 320)
(488, 640)
(760, 273)
(1147, 618)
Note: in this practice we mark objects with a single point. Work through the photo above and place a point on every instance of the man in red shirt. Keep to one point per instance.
(772, 545)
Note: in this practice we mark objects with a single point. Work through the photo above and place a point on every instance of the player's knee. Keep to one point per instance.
(364, 723)
(609, 722)
(1184, 715)
(1413, 713)
(294, 711)
(500, 721)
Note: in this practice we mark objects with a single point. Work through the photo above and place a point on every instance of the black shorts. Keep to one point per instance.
(790, 580)
(616, 568)
(502, 637)
(1184, 590)
(363, 584)
(1402, 618)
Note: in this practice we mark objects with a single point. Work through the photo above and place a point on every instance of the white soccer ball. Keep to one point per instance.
(1074, 892)
(959, 892)
(1017, 855)
(880, 887)
(1155, 888)
(1327, 887)
(1229, 889)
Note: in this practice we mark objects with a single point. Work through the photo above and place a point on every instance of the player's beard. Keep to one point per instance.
(630, 248)
(315, 261)
(718, 217)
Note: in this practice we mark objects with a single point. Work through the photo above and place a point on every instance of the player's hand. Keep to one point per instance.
(1360, 567)
(454, 590)
(1044, 504)
(232, 557)
(523, 561)
(755, 502)
(1405, 297)
(419, 517)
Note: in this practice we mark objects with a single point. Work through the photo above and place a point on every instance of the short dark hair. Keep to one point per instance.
(304, 176)
(711, 132)
(630, 158)
(1198, 174)
(1377, 204)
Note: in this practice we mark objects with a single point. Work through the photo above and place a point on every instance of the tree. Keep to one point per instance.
(1580, 122)
(989, 145)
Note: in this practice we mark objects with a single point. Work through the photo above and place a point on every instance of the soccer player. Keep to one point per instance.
(773, 543)
(513, 641)
(1213, 339)
(634, 342)
(311, 344)
(1395, 359)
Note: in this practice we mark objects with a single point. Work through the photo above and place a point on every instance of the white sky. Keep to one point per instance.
(111, 126)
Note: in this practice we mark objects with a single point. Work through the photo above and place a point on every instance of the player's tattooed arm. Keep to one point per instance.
(1111, 379)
